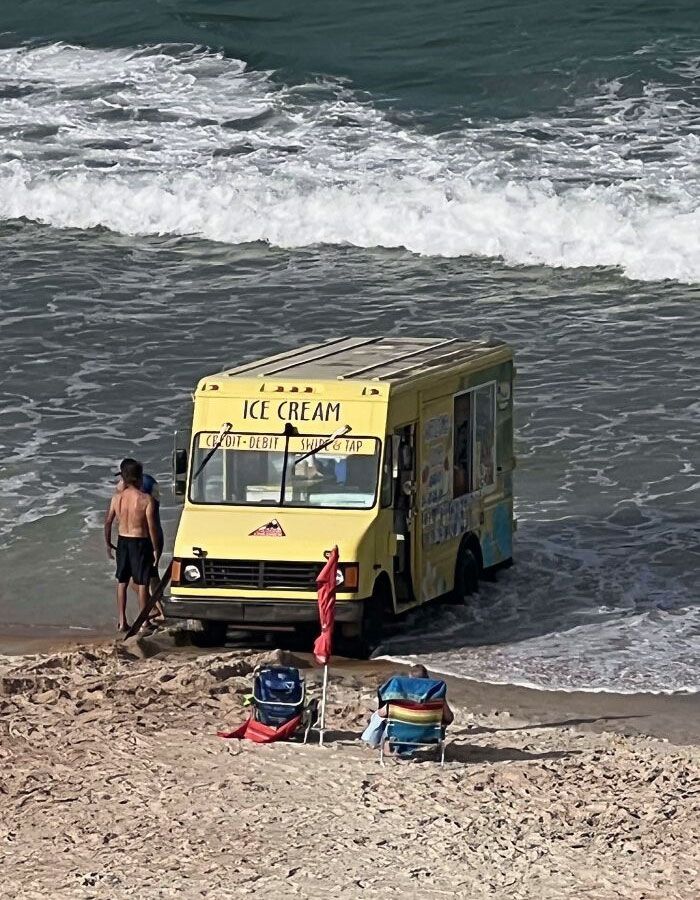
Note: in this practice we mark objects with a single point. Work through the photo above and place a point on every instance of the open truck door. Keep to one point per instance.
(405, 517)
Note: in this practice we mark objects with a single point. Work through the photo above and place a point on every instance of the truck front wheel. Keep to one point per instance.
(213, 634)
(371, 626)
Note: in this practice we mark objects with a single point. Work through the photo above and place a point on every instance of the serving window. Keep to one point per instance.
(474, 451)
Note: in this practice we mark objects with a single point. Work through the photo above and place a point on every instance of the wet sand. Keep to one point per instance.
(114, 785)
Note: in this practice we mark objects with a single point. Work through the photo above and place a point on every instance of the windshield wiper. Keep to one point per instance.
(225, 430)
(341, 432)
(291, 431)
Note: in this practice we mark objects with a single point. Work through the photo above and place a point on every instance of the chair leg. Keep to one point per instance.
(381, 752)
(442, 753)
(310, 718)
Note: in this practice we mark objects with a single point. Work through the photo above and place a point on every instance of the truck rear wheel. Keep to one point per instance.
(213, 634)
(466, 575)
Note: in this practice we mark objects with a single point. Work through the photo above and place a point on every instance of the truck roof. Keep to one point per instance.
(390, 359)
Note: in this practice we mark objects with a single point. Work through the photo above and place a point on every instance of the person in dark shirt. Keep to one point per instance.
(149, 486)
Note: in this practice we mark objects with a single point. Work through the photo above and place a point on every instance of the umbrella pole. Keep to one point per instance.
(323, 706)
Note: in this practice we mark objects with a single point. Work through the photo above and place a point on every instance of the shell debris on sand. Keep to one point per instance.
(113, 784)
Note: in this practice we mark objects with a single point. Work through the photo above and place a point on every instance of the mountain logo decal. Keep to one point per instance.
(270, 529)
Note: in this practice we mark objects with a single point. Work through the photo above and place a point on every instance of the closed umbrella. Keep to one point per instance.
(327, 584)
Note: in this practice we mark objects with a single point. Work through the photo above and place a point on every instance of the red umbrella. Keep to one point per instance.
(327, 585)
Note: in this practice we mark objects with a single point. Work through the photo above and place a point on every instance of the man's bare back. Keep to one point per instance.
(133, 510)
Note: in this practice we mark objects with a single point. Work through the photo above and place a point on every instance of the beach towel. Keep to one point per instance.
(417, 690)
(252, 730)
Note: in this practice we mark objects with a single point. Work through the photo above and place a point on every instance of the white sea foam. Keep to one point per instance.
(460, 669)
(174, 141)
(652, 652)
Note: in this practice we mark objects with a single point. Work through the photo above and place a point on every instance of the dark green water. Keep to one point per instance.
(185, 185)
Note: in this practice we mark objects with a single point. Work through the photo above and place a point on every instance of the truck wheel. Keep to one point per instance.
(213, 634)
(466, 576)
(305, 635)
(371, 628)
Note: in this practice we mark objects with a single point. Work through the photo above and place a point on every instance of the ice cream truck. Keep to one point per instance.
(397, 450)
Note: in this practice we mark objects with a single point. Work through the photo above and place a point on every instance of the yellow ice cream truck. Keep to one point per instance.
(398, 450)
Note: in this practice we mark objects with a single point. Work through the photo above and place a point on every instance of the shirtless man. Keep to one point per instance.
(149, 485)
(138, 536)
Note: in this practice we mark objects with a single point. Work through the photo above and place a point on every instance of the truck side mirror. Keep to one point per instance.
(179, 472)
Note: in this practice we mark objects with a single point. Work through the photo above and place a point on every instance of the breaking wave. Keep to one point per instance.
(184, 141)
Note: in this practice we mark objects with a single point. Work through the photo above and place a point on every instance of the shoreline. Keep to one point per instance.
(25, 641)
(674, 717)
(671, 717)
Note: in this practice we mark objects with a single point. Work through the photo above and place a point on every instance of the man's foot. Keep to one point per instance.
(123, 627)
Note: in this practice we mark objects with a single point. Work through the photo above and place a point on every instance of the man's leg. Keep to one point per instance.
(158, 612)
(122, 624)
(142, 562)
(136, 588)
(123, 575)
(144, 596)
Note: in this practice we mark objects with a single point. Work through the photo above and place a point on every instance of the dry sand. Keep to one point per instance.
(113, 784)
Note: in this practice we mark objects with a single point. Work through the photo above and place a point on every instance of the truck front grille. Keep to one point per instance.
(260, 575)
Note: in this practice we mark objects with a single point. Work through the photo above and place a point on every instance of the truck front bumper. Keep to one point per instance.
(256, 612)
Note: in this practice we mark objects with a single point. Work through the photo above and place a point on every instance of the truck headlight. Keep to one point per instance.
(348, 577)
(192, 573)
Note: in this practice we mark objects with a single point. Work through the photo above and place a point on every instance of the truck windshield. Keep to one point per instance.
(247, 470)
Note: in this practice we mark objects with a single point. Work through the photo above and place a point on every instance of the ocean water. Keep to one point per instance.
(185, 185)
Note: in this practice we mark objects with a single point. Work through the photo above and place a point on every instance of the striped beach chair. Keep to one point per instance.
(411, 725)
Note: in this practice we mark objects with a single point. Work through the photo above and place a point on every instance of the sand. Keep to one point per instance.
(113, 784)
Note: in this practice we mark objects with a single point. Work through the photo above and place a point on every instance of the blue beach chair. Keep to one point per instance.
(279, 695)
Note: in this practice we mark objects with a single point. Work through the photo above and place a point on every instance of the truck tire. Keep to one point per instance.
(467, 572)
(372, 628)
(213, 634)
(371, 625)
